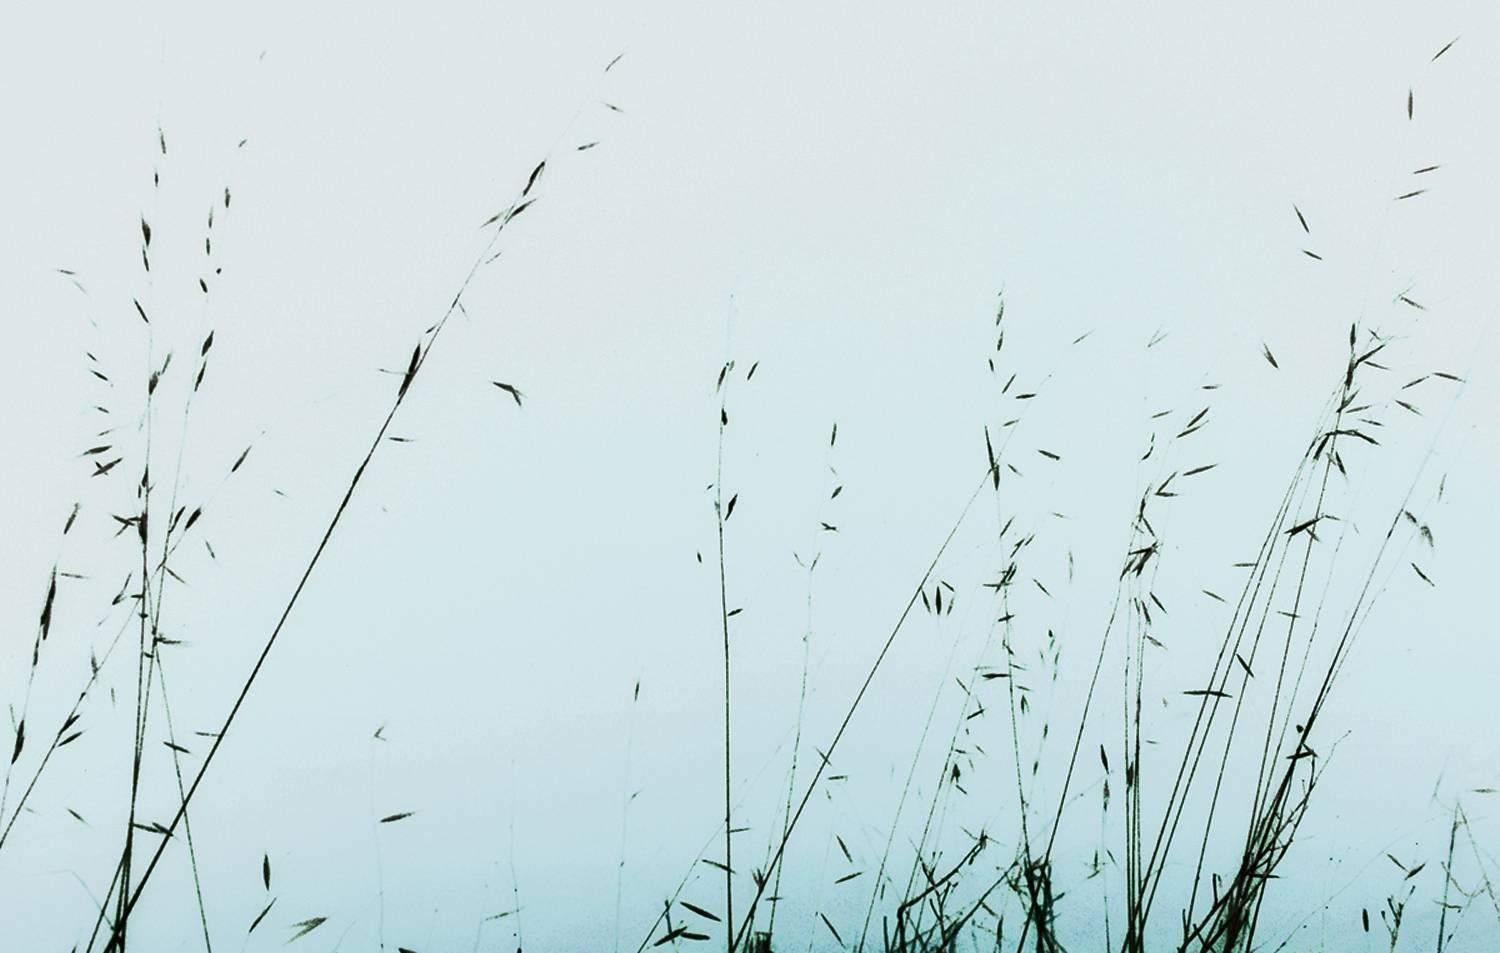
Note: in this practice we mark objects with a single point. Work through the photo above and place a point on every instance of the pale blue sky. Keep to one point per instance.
(837, 191)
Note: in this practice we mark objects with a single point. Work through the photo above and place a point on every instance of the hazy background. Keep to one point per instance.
(838, 191)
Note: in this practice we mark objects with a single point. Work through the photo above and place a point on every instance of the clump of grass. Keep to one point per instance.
(161, 525)
(1272, 735)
